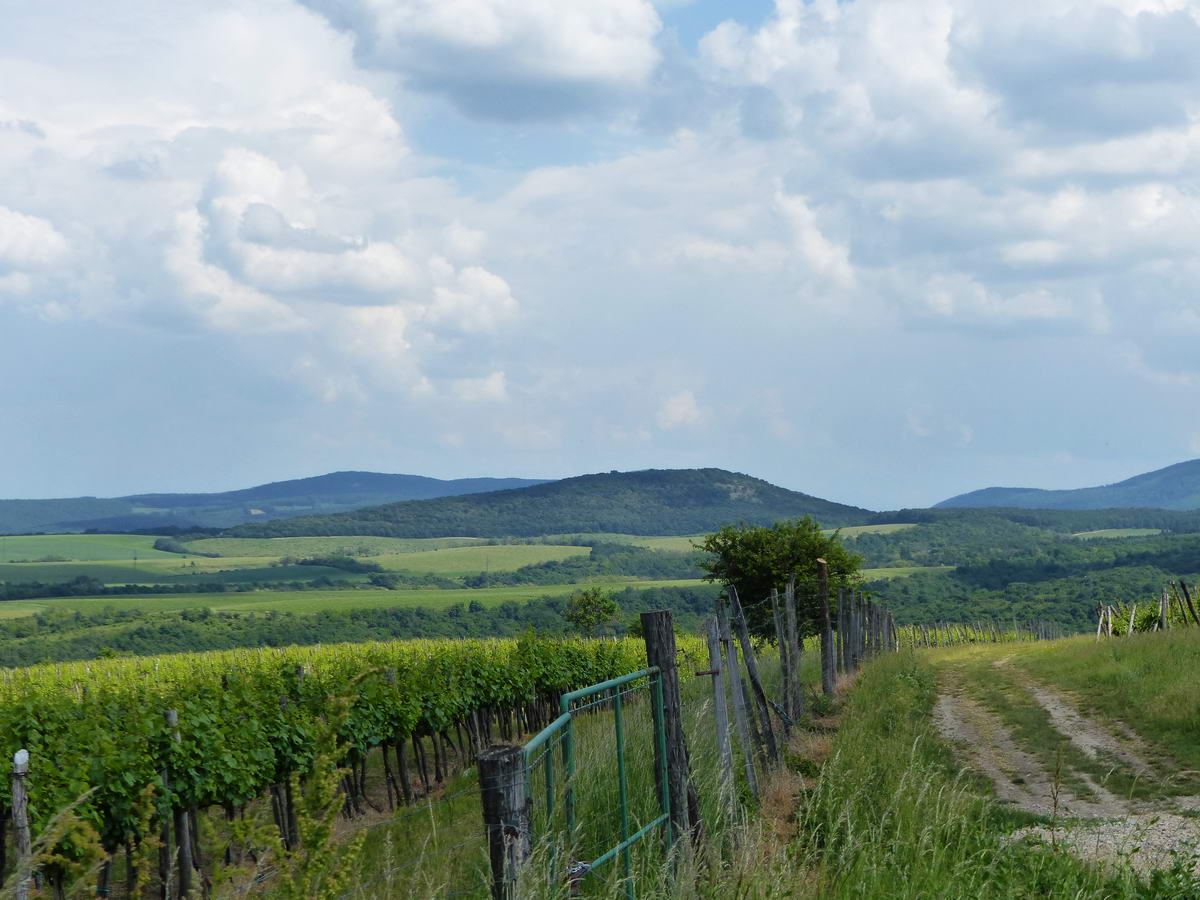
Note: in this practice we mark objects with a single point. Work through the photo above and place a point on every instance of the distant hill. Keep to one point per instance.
(654, 501)
(1175, 487)
(333, 493)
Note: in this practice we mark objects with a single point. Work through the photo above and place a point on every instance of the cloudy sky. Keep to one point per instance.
(879, 251)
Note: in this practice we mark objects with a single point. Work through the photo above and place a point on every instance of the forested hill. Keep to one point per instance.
(1175, 487)
(654, 501)
(332, 493)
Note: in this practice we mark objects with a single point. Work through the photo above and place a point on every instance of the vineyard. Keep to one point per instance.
(131, 745)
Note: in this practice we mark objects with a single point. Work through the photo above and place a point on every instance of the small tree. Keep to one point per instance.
(756, 559)
(589, 608)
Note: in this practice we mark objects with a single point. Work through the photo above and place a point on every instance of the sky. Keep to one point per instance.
(881, 252)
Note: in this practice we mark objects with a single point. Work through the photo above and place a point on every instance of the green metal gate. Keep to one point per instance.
(561, 732)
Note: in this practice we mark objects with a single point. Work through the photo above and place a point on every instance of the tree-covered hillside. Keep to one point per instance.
(335, 492)
(654, 501)
(1175, 487)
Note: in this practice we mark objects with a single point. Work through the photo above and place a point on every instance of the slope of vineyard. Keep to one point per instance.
(247, 719)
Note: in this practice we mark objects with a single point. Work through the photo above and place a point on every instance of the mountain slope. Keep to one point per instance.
(332, 493)
(654, 501)
(1175, 487)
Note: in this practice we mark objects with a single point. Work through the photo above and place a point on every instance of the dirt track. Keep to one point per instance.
(1094, 827)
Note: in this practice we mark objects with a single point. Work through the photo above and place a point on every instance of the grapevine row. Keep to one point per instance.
(247, 719)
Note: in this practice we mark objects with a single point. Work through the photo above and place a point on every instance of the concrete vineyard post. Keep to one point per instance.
(505, 815)
(22, 840)
(183, 839)
(796, 709)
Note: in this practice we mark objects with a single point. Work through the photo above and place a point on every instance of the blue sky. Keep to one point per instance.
(880, 252)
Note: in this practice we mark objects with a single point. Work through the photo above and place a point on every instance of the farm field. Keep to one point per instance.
(79, 547)
(313, 601)
(856, 530)
(1117, 533)
(157, 570)
(901, 571)
(352, 545)
(172, 568)
(473, 560)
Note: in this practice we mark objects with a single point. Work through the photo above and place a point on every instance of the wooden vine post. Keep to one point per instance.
(505, 815)
(658, 631)
(20, 818)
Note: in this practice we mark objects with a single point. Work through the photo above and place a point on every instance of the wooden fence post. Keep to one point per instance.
(785, 661)
(828, 662)
(760, 695)
(20, 816)
(721, 714)
(735, 689)
(658, 631)
(505, 814)
(796, 710)
(183, 838)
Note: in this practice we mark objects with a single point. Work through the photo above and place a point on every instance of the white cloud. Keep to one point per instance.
(491, 388)
(679, 411)
(28, 241)
(507, 59)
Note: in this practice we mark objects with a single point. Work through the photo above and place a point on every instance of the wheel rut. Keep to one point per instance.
(1100, 827)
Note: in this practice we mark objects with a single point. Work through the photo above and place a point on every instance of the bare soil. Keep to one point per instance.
(1102, 827)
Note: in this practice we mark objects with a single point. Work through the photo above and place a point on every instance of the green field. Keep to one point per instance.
(78, 546)
(473, 560)
(171, 569)
(314, 601)
(325, 546)
(855, 530)
(1117, 533)
(901, 571)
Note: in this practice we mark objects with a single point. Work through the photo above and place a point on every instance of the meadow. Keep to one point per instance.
(314, 601)
(78, 547)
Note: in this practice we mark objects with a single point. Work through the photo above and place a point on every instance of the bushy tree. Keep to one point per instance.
(755, 559)
(589, 608)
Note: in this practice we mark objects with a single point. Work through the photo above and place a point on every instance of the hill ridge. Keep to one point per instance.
(1176, 486)
(331, 492)
(646, 501)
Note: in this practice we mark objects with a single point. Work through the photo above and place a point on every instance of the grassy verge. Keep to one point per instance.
(892, 816)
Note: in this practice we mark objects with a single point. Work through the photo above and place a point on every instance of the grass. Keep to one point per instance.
(165, 571)
(901, 571)
(1151, 682)
(317, 601)
(84, 547)
(854, 531)
(473, 560)
(892, 815)
(325, 546)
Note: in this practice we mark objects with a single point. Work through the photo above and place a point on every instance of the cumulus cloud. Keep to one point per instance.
(507, 59)
(28, 241)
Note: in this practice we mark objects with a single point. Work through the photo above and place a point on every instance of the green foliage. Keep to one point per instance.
(248, 719)
(589, 608)
(756, 560)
